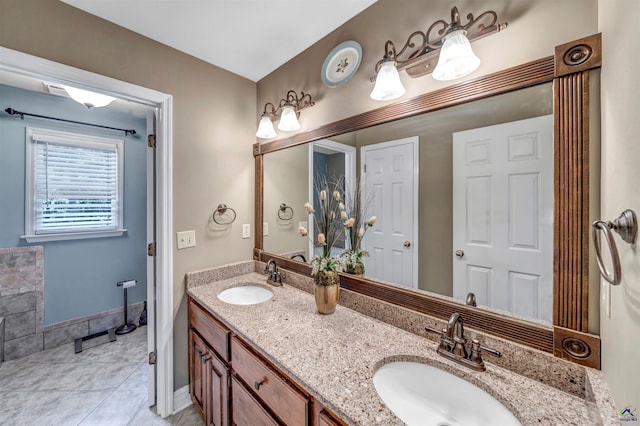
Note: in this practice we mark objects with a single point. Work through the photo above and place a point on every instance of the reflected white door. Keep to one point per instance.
(503, 216)
(390, 171)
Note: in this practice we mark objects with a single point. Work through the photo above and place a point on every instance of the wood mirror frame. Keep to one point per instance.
(569, 70)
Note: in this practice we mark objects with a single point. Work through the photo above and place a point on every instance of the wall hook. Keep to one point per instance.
(626, 225)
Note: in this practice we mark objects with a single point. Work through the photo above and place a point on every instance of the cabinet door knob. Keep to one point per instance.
(257, 385)
(407, 244)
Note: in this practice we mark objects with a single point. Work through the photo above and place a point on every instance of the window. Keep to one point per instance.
(73, 186)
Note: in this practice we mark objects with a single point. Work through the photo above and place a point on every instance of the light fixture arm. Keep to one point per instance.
(419, 54)
(299, 102)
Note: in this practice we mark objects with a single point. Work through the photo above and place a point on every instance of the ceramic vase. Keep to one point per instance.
(327, 291)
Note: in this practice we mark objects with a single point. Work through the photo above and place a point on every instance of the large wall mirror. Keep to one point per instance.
(535, 119)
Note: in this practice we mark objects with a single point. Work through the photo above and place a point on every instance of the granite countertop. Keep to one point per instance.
(335, 356)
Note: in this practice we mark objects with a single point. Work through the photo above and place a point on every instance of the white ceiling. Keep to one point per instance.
(247, 37)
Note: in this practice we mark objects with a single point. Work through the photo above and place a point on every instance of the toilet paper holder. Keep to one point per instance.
(626, 225)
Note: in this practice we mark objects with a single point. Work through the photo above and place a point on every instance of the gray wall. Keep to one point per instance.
(80, 275)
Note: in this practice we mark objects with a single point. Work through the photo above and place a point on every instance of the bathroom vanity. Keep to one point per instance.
(280, 362)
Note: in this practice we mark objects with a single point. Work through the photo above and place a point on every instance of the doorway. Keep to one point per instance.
(160, 319)
(333, 160)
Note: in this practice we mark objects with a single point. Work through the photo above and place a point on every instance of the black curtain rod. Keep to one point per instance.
(12, 111)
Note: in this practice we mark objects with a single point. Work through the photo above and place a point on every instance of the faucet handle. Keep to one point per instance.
(477, 348)
(433, 330)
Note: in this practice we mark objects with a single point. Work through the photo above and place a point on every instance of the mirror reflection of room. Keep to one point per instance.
(435, 239)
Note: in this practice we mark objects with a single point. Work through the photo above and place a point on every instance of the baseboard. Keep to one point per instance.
(181, 399)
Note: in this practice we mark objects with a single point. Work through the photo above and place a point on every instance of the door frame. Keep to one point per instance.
(32, 66)
(349, 173)
(415, 142)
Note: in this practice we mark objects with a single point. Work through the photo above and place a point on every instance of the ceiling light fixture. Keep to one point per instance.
(447, 44)
(87, 98)
(287, 111)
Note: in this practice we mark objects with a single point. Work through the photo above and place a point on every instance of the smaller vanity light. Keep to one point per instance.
(388, 85)
(287, 111)
(87, 98)
(288, 120)
(265, 128)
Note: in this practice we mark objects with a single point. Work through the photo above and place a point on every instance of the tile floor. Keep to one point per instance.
(105, 384)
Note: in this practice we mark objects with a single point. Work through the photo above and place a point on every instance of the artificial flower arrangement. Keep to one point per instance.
(356, 225)
(327, 223)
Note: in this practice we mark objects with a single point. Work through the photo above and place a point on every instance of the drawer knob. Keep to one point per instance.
(257, 385)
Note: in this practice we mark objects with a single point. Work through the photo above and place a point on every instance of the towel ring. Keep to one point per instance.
(626, 225)
(221, 210)
(283, 211)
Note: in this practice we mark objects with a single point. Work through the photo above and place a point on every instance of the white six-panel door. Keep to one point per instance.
(503, 216)
(390, 171)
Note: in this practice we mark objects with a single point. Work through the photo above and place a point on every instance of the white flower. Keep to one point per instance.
(321, 239)
(343, 215)
(341, 206)
(360, 232)
(336, 195)
(349, 223)
(308, 207)
(371, 220)
(323, 195)
(303, 231)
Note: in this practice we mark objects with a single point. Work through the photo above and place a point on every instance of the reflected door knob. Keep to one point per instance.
(407, 244)
(459, 253)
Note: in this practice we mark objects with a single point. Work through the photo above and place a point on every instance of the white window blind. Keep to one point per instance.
(75, 183)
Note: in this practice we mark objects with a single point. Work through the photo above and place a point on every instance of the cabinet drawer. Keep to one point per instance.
(246, 410)
(212, 331)
(291, 406)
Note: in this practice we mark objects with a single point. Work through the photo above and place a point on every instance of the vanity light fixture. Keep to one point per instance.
(447, 44)
(287, 111)
(88, 98)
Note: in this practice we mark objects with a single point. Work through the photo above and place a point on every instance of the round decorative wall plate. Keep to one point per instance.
(341, 63)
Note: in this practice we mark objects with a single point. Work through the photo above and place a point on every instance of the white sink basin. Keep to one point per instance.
(421, 394)
(245, 295)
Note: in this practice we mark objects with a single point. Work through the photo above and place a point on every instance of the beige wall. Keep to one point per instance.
(535, 27)
(286, 181)
(214, 124)
(620, 176)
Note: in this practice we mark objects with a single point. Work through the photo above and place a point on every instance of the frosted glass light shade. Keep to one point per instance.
(288, 120)
(388, 85)
(456, 57)
(265, 128)
(87, 98)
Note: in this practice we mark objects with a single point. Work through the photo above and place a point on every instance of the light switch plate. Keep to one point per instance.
(246, 230)
(265, 229)
(186, 239)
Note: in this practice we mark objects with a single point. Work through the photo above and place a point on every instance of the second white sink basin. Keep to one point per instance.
(245, 295)
(421, 394)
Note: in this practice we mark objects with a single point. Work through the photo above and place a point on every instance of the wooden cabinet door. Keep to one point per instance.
(197, 379)
(217, 374)
(208, 382)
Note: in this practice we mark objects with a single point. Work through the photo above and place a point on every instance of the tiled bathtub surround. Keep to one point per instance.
(22, 299)
(290, 333)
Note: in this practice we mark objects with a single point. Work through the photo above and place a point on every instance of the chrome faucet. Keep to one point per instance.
(274, 276)
(453, 345)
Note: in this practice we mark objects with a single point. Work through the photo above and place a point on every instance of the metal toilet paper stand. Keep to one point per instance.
(127, 327)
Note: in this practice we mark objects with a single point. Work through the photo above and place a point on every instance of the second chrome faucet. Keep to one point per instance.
(453, 345)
